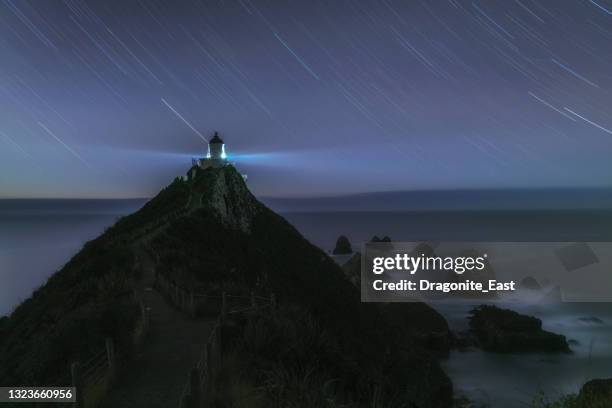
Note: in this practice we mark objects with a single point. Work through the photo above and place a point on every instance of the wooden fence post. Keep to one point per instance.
(209, 365)
(194, 385)
(144, 316)
(223, 306)
(110, 354)
(192, 307)
(273, 300)
(77, 383)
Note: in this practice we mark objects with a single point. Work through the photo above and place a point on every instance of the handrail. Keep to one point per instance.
(200, 377)
(98, 368)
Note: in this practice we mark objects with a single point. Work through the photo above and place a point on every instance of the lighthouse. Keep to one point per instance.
(215, 157)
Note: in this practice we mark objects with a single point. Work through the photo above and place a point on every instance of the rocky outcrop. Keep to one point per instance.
(343, 246)
(598, 391)
(224, 192)
(505, 331)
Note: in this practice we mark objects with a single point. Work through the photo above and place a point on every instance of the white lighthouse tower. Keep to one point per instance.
(216, 156)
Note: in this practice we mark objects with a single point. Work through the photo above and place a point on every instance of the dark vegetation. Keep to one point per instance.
(503, 330)
(171, 201)
(289, 359)
(593, 394)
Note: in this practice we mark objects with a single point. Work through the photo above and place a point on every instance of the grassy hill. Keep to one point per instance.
(210, 233)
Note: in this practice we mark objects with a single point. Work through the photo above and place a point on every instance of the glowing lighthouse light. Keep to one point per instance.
(215, 156)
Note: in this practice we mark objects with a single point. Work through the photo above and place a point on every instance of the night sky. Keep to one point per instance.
(113, 98)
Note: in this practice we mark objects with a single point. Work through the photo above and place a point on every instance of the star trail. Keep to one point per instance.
(114, 98)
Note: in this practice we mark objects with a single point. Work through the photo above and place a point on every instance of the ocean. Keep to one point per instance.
(37, 237)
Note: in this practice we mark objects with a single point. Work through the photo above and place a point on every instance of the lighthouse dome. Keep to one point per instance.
(216, 139)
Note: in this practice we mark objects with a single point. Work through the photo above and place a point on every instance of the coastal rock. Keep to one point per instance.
(343, 246)
(505, 331)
